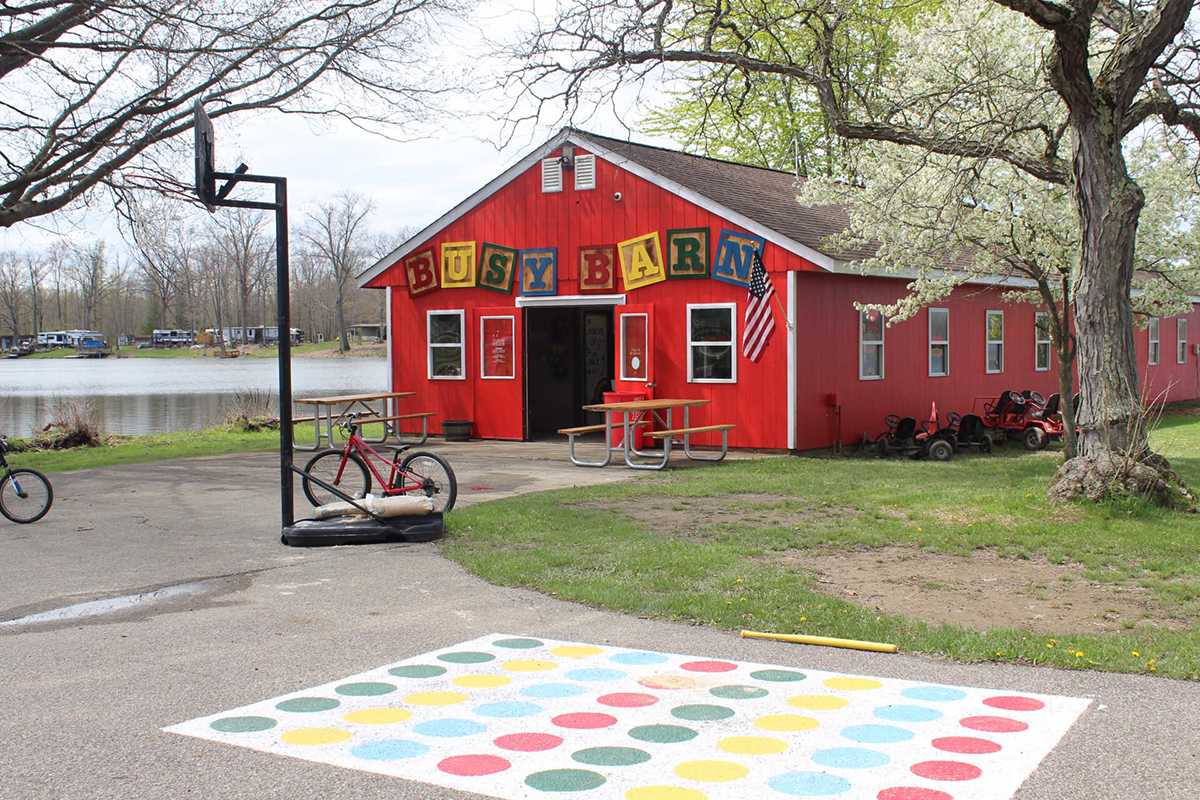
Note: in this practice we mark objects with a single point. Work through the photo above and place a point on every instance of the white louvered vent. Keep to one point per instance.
(552, 179)
(585, 172)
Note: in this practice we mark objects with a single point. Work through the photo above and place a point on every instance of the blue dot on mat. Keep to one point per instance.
(389, 750)
(638, 658)
(508, 709)
(850, 758)
(933, 694)
(449, 728)
(876, 734)
(547, 691)
(809, 784)
(595, 674)
(907, 713)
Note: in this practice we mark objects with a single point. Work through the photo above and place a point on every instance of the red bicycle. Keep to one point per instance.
(347, 471)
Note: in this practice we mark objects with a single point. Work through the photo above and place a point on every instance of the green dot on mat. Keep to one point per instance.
(518, 644)
(418, 671)
(662, 734)
(305, 705)
(778, 675)
(466, 658)
(368, 689)
(738, 692)
(611, 756)
(565, 780)
(242, 724)
(700, 712)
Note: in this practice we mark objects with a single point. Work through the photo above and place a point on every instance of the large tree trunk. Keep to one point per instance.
(343, 345)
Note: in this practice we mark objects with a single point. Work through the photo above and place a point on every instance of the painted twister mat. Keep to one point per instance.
(521, 717)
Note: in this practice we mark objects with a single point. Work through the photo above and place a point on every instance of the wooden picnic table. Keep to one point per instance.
(633, 415)
(328, 411)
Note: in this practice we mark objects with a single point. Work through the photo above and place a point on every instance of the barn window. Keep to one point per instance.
(585, 172)
(445, 331)
(552, 179)
(1181, 341)
(939, 342)
(1041, 341)
(711, 337)
(994, 328)
(870, 345)
(1153, 330)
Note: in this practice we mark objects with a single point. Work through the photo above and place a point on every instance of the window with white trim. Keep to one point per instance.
(939, 342)
(712, 336)
(1181, 340)
(444, 331)
(1041, 341)
(870, 345)
(1152, 330)
(585, 172)
(994, 330)
(552, 177)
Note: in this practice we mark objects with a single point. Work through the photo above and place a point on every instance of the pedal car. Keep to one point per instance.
(903, 438)
(968, 431)
(1027, 416)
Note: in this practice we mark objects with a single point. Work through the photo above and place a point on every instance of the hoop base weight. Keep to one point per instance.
(322, 533)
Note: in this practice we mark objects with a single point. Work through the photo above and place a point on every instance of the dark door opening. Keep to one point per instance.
(569, 363)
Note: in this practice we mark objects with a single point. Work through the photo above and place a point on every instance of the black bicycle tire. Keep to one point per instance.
(452, 481)
(308, 486)
(40, 477)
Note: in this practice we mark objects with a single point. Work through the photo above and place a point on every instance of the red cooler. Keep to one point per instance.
(618, 431)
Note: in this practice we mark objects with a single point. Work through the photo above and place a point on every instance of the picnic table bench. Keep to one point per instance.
(640, 413)
(329, 415)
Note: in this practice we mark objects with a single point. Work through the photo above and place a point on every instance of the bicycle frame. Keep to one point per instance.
(21, 493)
(356, 443)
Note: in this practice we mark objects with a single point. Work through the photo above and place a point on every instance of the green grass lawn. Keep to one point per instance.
(586, 545)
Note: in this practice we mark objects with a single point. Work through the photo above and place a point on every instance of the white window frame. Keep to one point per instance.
(552, 175)
(988, 341)
(733, 340)
(1037, 343)
(483, 348)
(621, 334)
(462, 344)
(862, 318)
(585, 165)
(1154, 345)
(944, 343)
(1181, 340)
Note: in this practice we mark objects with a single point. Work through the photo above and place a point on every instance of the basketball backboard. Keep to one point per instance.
(206, 182)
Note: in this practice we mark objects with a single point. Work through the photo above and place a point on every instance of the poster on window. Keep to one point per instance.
(633, 347)
(499, 360)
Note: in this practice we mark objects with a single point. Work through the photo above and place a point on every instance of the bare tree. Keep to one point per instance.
(336, 234)
(12, 290)
(89, 88)
(246, 253)
(89, 275)
(155, 231)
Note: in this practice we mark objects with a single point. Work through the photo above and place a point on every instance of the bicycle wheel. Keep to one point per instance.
(355, 481)
(25, 495)
(436, 475)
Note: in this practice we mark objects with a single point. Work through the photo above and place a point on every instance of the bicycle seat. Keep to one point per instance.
(398, 448)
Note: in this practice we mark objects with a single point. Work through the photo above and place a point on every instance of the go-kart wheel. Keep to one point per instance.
(1037, 398)
(952, 439)
(955, 419)
(940, 450)
(892, 420)
(1034, 438)
(884, 449)
(985, 444)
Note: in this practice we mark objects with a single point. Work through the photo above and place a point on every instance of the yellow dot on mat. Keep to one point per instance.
(785, 722)
(664, 793)
(853, 684)
(316, 736)
(481, 681)
(529, 666)
(817, 702)
(752, 745)
(576, 651)
(711, 771)
(377, 716)
(435, 698)
(671, 682)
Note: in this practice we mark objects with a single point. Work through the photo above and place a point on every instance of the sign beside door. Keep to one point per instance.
(497, 348)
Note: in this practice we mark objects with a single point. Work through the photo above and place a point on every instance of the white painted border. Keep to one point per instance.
(392, 404)
(621, 338)
(482, 350)
(882, 348)
(1154, 342)
(462, 316)
(551, 300)
(791, 360)
(932, 342)
(733, 342)
(1181, 354)
(1037, 341)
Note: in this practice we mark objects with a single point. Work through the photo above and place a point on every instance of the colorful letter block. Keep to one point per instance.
(687, 253)
(421, 272)
(458, 265)
(598, 269)
(641, 261)
(733, 259)
(497, 266)
(539, 271)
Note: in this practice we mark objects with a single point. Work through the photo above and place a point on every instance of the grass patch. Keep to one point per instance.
(593, 545)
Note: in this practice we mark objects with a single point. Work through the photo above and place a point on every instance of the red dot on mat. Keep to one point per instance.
(994, 724)
(1015, 703)
(966, 744)
(584, 720)
(473, 765)
(912, 793)
(947, 770)
(528, 742)
(627, 700)
(709, 666)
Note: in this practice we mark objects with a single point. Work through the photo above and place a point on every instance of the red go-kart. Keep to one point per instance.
(1027, 416)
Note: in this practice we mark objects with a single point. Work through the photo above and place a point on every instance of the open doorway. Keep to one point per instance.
(568, 363)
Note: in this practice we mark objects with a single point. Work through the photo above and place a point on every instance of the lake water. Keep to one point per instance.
(153, 395)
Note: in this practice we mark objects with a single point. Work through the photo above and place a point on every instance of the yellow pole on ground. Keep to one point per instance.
(824, 641)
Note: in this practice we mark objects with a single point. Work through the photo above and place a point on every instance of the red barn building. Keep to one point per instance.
(596, 263)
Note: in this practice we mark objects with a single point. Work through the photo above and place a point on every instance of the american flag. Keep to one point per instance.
(759, 323)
